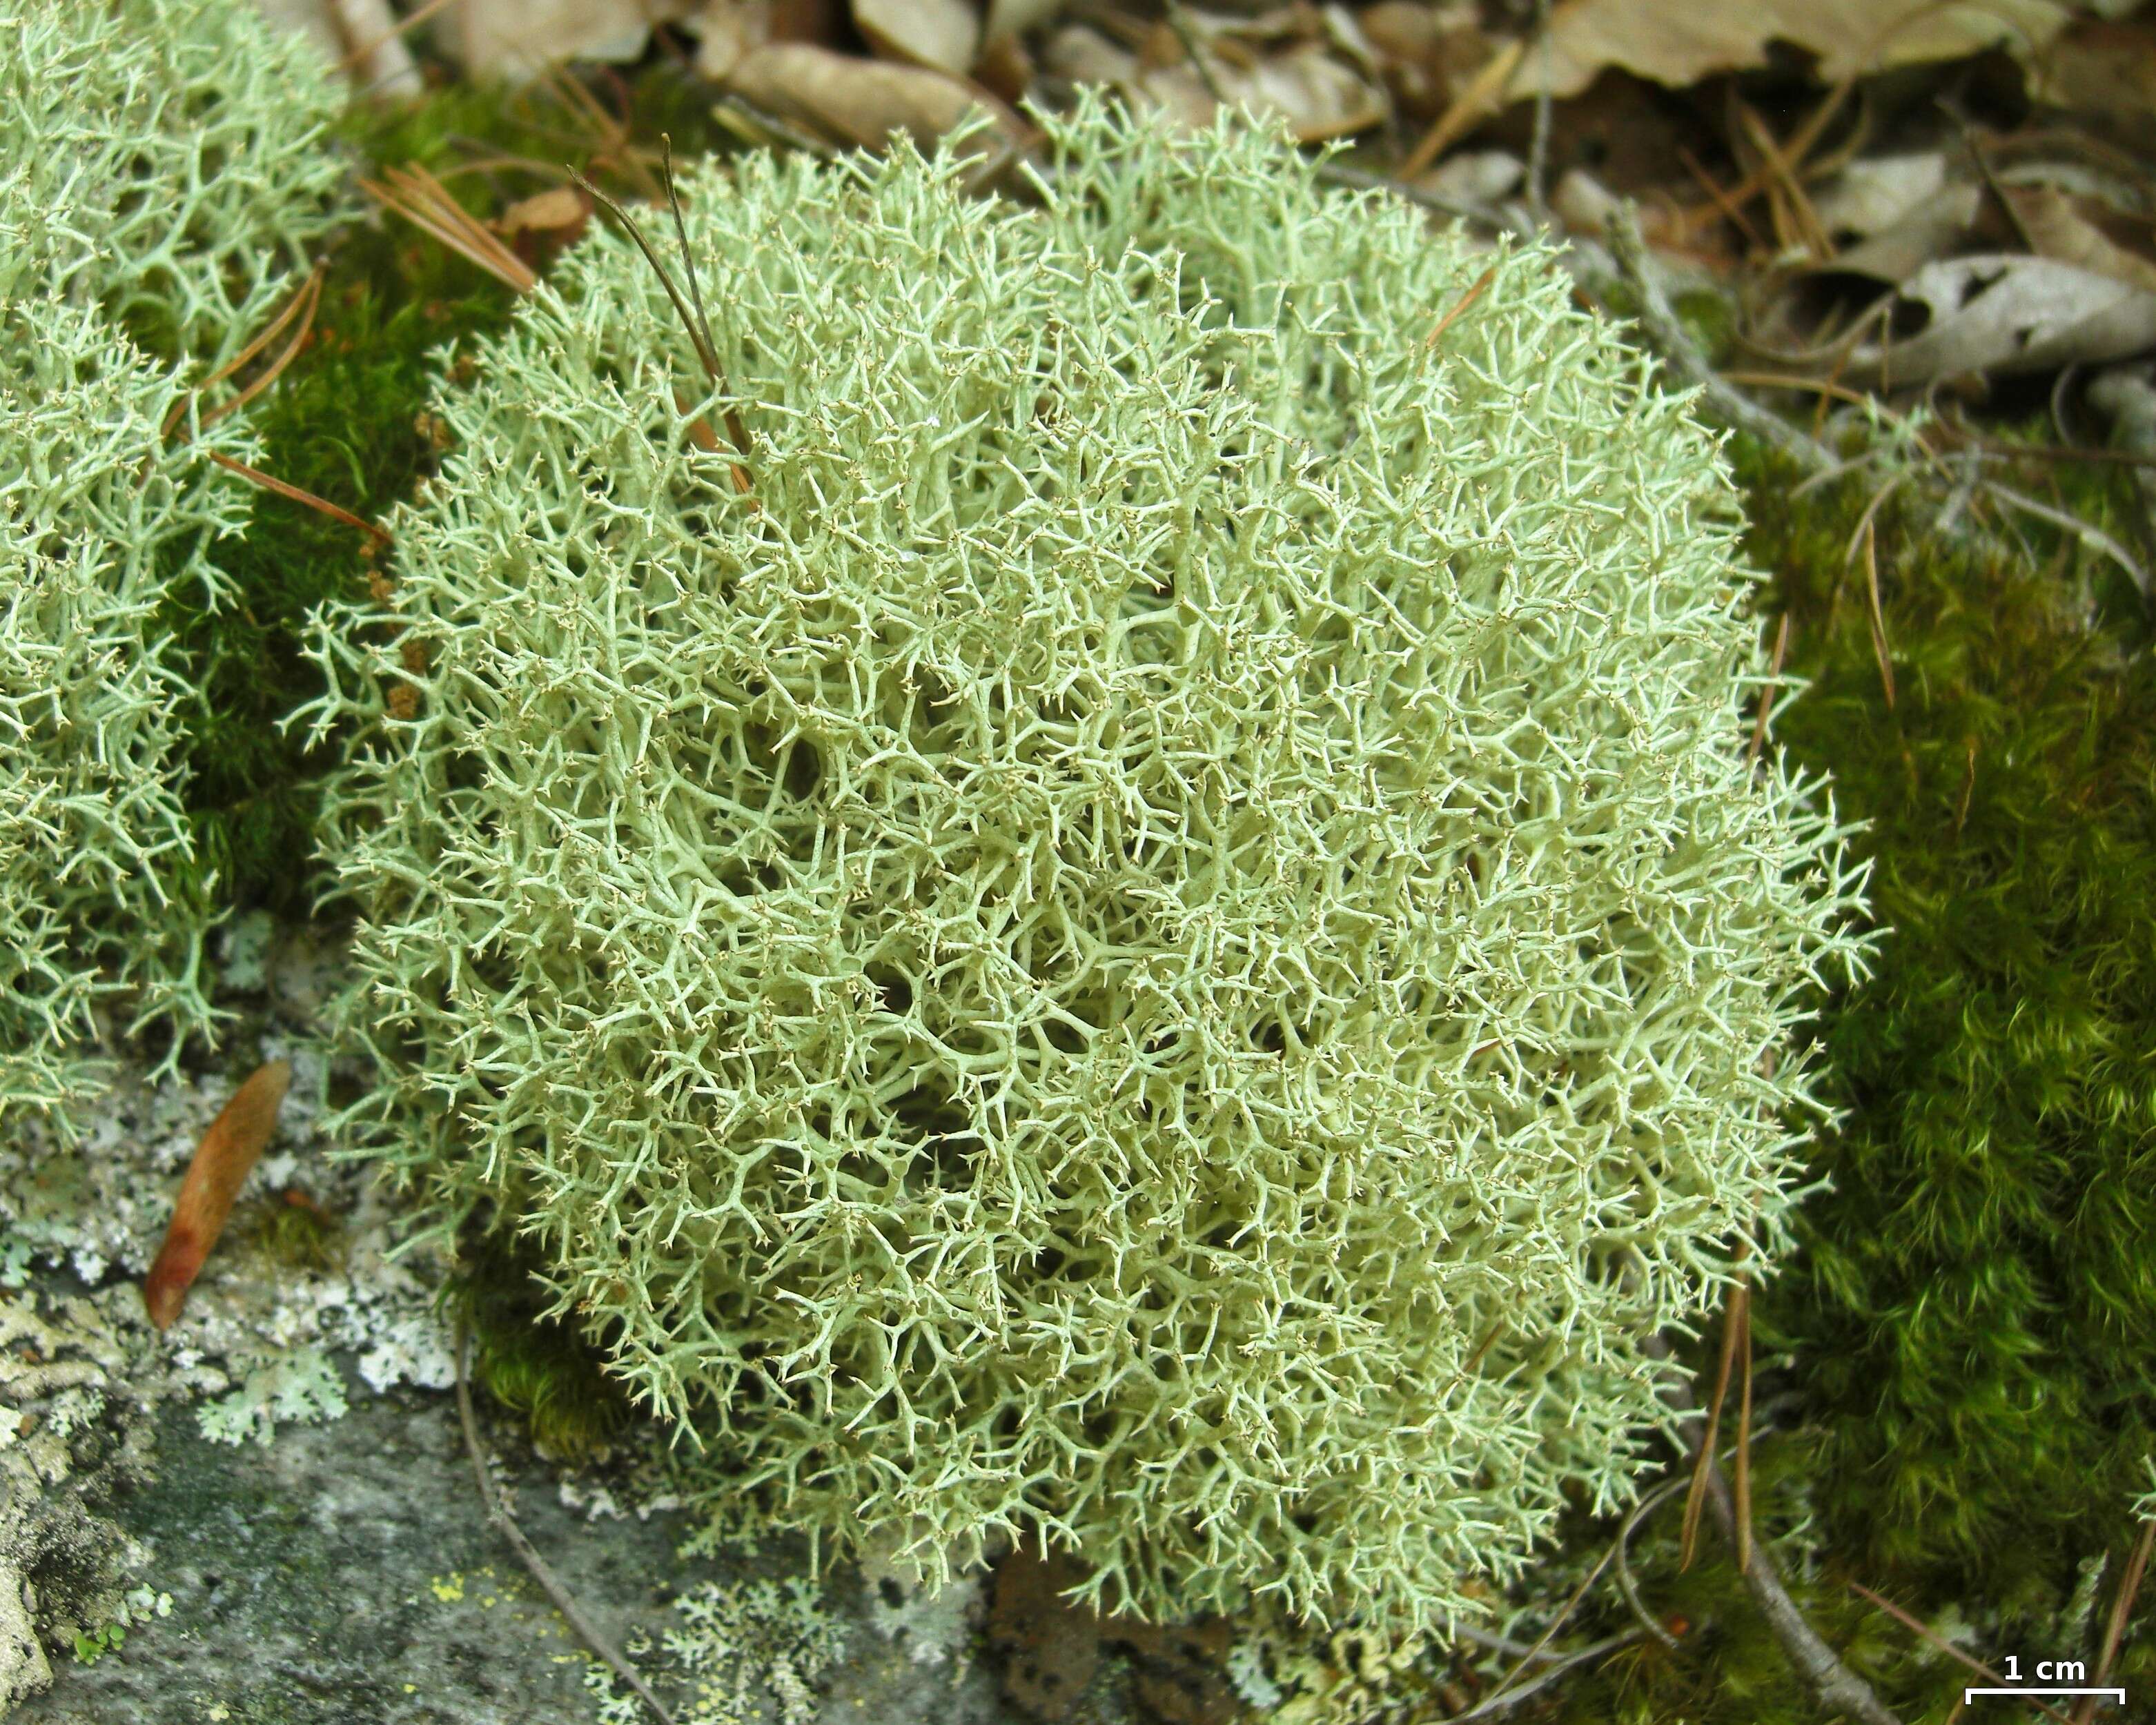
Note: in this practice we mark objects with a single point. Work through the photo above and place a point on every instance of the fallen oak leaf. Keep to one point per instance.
(2007, 314)
(221, 1164)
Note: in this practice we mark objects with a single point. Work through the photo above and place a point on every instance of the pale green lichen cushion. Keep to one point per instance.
(1164, 936)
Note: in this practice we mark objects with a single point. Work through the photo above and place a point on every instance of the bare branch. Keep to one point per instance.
(498, 1513)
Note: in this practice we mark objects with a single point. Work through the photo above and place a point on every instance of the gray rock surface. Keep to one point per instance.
(346, 1575)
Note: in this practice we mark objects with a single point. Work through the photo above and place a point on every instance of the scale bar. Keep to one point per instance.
(1969, 1695)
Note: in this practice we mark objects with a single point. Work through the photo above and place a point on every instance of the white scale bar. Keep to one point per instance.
(1969, 1695)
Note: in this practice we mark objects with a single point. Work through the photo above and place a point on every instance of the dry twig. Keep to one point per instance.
(497, 1512)
(1832, 1685)
(1684, 358)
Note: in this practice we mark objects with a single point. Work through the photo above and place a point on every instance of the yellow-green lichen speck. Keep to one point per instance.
(1162, 936)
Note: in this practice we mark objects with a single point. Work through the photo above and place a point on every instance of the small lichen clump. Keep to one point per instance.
(157, 183)
(1161, 935)
(169, 156)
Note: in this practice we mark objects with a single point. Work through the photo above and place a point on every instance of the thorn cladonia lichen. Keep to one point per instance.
(160, 173)
(1164, 939)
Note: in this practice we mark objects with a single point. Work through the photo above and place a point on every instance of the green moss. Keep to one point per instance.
(533, 1364)
(1973, 1305)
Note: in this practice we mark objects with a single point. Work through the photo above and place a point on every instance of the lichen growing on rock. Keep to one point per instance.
(1162, 936)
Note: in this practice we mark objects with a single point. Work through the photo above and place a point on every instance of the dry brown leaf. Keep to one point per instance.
(1869, 196)
(2104, 69)
(1005, 68)
(2064, 228)
(728, 31)
(942, 34)
(1475, 101)
(548, 212)
(1009, 19)
(519, 40)
(861, 101)
(1082, 54)
(1925, 235)
(221, 1164)
(2001, 316)
(1319, 97)
(359, 36)
(1427, 52)
(1315, 95)
(1679, 44)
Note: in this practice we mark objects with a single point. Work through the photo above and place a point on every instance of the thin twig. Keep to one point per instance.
(1832, 1684)
(1178, 21)
(1629, 1590)
(1684, 357)
(2094, 537)
(1496, 1643)
(1539, 144)
(1660, 1495)
(1503, 1700)
(497, 1512)
(745, 119)
(284, 488)
(1357, 179)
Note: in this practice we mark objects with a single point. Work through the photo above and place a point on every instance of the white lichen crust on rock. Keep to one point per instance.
(1162, 936)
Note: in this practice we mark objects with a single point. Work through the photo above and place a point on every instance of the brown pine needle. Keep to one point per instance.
(425, 202)
(283, 488)
(1703, 1466)
(309, 296)
(2121, 1609)
(1465, 300)
(276, 369)
(1718, 197)
(1740, 1316)
(1880, 649)
(1945, 1647)
(704, 356)
(698, 334)
(222, 1162)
